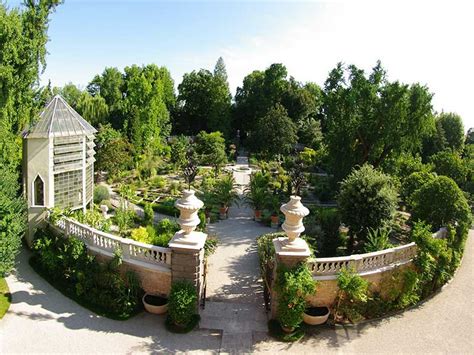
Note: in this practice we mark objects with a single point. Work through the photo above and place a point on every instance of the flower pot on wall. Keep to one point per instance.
(258, 215)
(155, 304)
(316, 315)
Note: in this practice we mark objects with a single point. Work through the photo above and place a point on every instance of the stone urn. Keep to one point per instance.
(294, 212)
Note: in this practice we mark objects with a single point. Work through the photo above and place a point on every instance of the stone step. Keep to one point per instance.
(233, 317)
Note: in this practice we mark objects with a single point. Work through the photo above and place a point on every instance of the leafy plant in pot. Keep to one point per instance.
(255, 197)
(155, 304)
(293, 286)
(225, 194)
(182, 304)
(273, 204)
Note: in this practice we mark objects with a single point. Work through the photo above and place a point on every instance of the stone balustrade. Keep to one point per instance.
(100, 242)
(364, 264)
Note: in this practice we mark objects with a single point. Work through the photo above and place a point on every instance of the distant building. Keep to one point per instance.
(58, 162)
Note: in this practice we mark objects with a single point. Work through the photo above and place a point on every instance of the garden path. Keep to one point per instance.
(234, 291)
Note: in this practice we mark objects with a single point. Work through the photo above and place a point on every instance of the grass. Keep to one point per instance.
(5, 297)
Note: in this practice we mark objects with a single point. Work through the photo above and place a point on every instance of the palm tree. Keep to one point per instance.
(225, 194)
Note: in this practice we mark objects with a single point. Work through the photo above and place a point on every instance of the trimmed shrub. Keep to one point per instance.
(367, 199)
(149, 214)
(182, 303)
(101, 193)
(414, 182)
(449, 164)
(441, 202)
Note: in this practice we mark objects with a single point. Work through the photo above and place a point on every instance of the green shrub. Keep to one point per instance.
(166, 207)
(149, 214)
(449, 164)
(101, 193)
(141, 235)
(413, 183)
(293, 286)
(158, 182)
(441, 202)
(124, 218)
(377, 239)
(93, 218)
(367, 199)
(322, 231)
(182, 303)
(351, 296)
(65, 263)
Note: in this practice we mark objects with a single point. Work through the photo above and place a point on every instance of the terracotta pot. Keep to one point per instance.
(320, 317)
(258, 215)
(154, 309)
(275, 221)
(223, 212)
(288, 330)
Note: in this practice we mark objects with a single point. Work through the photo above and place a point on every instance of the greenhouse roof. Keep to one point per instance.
(58, 119)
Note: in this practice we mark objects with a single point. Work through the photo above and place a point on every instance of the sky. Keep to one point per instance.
(428, 42)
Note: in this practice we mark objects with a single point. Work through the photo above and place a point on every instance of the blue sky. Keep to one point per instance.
(418, 41)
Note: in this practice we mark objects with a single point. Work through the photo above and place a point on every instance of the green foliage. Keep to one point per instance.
(255, 195)
(369, 119)
(182, 303)
(436, 259)
(141, 235)
(5, 297)
(101, 193)
(93, 218)
(377, 239)
(114, 153)
(210, 245)
(93, 108)
(413, 183)
(274, 133)
(367, 199)
(352, 293)
(449, 164)
(124, 218)
(166, 207)
(64, 262)
(224, 191)
(210, 149)
(179, 148)
(149, 213)
(453, 130)
(322, 232)
(440, 202)
(204, 102)
(12, 219)
(293, 286)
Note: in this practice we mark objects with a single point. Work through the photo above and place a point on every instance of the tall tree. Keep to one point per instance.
(23, 37)
(369, 118)
(275, 133)
(453, 129)
(93, 108)
(147, 117)
(204, 102)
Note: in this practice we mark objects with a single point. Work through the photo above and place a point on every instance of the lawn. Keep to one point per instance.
(5, 297)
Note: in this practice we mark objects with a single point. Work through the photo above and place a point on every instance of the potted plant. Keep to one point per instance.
(274, 204)
(225, 194)
(255, 197)
(182, 305)
(293, 286)
(155, 304)
(316, 315)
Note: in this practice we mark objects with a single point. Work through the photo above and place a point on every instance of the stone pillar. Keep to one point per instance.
(187, 245)
(290, 250)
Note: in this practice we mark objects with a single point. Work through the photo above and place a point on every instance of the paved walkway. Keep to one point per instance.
(234, 287)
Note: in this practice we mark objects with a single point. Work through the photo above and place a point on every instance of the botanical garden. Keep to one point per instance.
(121, 193)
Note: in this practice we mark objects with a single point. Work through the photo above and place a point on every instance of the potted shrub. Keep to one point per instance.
(225, 194)
(155, 304)
(293, 286)
(274, 204)
(316, 315)
(182, 305)
(255, 197)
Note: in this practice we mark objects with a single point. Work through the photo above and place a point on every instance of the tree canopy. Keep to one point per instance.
(368, 118)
